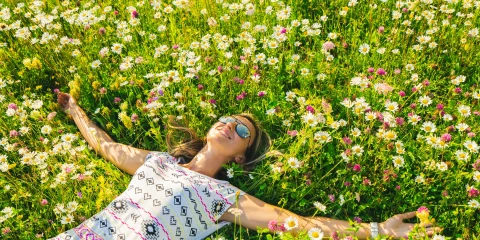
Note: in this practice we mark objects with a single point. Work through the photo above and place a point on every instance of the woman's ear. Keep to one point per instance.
(239, 159)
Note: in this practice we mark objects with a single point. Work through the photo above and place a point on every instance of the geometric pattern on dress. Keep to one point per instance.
(119, 206)
(160, 202)
(218, 207)
(150, 229)
(192, 200)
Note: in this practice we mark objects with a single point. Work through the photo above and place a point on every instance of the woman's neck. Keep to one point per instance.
(206, 162)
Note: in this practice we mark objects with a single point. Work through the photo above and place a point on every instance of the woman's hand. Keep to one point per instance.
(66, 101)
(395, 227)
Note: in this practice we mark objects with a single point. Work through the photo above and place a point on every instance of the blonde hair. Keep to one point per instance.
(190, 144)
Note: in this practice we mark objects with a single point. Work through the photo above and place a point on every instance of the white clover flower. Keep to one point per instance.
(342, 199)
(320, 206)
(235, 211)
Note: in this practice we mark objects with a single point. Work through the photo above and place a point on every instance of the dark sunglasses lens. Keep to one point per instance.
(243, 131)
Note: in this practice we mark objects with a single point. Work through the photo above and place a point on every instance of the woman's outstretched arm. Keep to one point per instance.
(127, 158)
(257, 213)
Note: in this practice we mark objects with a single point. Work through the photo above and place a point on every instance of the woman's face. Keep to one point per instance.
(224, 138)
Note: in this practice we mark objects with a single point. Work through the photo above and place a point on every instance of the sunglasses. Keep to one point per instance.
(241, 129)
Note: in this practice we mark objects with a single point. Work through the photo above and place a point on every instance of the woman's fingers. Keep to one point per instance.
(63, 99)
(431, 231)
(406, 215)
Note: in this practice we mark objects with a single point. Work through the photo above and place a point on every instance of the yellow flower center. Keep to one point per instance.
(315, 235)
(291, 224)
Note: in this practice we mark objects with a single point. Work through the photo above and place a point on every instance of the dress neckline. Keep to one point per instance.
(207, 177)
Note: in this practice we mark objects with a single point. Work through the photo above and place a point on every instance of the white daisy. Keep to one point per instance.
(290, 223)
(364, 49)
(357, 150)
(442, 166)
(476, 176)
(117, 48)
(464, 110)
(391, 106)
(46, 129)
(409, 67)
(293, 162)
(428, 127)
(310, 119)
(447, 117)
(471, 146)
(390, 135)
(419, 179)
(425, 101)
(473, 203)
(315, 233)
(476, 95)
(96, 64)
(370, 116)
(462, 155)
(322, 137)
(356, 132)
(462, 127)
(398, 161)
(67, 219)
(230, 173)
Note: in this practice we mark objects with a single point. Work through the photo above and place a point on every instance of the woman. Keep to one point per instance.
(168, 200)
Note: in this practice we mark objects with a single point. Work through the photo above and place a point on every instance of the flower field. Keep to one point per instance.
(373, 106)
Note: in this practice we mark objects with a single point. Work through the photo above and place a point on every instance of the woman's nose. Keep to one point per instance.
(231, 125)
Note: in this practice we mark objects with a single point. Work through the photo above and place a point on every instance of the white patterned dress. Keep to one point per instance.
(163, 201)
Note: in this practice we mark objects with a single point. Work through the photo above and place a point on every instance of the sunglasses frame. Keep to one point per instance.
(236, 127)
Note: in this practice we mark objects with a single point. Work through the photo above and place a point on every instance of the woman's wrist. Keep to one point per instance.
(73, 110)
(382, 230)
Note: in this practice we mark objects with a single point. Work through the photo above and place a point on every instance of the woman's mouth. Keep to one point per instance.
(224, 133)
